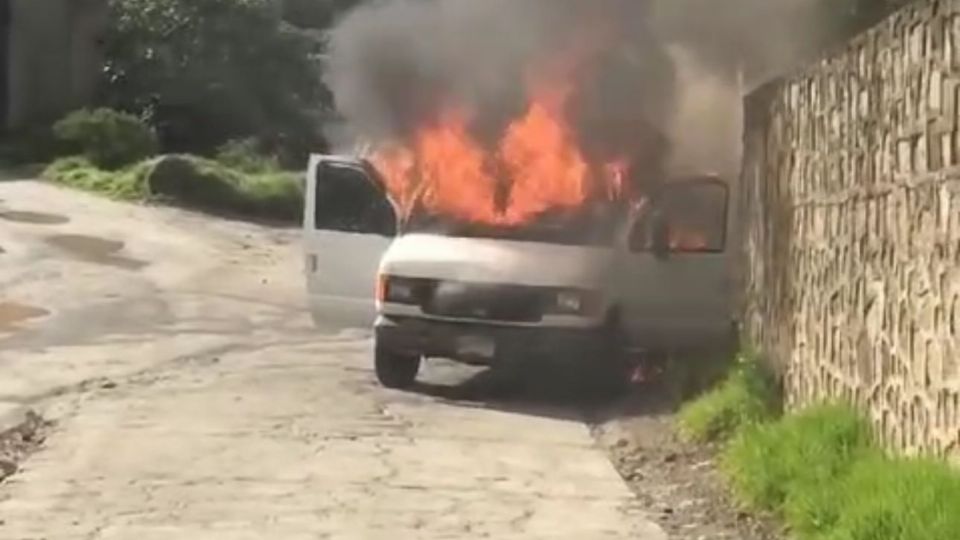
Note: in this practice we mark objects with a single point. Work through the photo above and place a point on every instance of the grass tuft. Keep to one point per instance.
(747, 396)
(784, 464)
(901, 499)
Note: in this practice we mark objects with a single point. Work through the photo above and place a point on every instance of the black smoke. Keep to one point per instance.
(395, 65)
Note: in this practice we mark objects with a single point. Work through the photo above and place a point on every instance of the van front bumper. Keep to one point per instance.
(487, 344)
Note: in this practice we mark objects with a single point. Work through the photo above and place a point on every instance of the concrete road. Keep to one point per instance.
(193, 400)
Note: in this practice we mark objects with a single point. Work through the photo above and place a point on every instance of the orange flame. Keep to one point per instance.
(545, 167)
(688, 240)
(536, 166)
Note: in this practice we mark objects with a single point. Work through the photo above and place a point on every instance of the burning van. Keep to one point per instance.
(518, 200)
(600, 280)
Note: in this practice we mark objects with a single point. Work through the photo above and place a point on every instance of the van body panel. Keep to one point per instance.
(348, 225)
(484, 260)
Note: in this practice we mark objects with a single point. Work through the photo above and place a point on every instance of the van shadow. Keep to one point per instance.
(550, 395)
(556, 393)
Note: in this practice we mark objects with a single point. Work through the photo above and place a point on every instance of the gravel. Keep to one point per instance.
(675, 481)
(19, 442)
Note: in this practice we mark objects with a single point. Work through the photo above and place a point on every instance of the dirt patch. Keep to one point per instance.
(35, 218)
(95, 250)
(12, 313)
(677, 482)
(18, 443)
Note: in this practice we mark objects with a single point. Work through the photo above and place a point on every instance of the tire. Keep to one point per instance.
(395, 371)
(609, 369)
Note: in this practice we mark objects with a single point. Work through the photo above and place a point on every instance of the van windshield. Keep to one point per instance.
(592, 225)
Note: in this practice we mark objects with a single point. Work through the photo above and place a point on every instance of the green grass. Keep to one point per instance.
(885, 499)
(192, 182)
(127, 184)
(781, 464)
(747, 396)
(819, 469)
(244, 155)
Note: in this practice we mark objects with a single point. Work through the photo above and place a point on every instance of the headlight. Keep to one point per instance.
(577, 302)
(570, 301)
(398, 290)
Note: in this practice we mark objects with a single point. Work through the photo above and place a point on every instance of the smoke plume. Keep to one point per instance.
(649, 76)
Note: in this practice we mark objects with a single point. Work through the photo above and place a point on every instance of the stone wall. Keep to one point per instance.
(851, 197)
(54, 57)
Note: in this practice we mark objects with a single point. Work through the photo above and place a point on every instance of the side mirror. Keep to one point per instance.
(660, 229)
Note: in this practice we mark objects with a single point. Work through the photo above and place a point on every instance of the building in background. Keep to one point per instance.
(50, 58)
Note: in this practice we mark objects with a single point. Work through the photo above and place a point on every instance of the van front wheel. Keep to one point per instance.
(395, 370)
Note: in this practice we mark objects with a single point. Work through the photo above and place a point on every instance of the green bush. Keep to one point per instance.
(108, 138)
(211, 186)
(747, 396)
(191, 182)
(245, 155)
(78, 172)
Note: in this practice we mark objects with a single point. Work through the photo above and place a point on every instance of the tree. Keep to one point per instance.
(206, 71)
(315, 14)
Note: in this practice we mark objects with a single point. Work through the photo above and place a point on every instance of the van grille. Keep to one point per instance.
(507, 303)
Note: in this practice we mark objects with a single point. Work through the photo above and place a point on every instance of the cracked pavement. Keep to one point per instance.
(192, 398)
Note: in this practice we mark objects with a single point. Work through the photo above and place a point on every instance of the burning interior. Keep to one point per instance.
(536, 167)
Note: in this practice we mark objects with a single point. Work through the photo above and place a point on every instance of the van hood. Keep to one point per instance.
(482, 260)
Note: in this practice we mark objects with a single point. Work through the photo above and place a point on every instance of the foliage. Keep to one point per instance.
(245, 155)
(314, 14)
(128, 184)
(109, 139)
(747, 396)
(206, 71)
(820, 471)
(191, 182)
(770, 463)
(207, 185)
(883, 499)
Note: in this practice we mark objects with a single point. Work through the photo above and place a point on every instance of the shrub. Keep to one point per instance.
(245, 155)
(78, 172)
(109, 139)
(276, 195)
(208, 185)
(748, 395)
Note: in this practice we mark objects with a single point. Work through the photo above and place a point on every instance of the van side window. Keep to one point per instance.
(695, 215)
(348, 200)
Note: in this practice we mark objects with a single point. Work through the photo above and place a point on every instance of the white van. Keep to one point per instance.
(600, 287)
